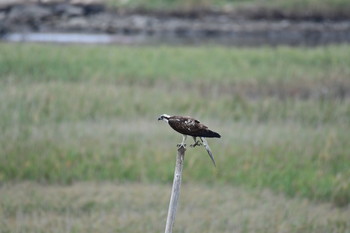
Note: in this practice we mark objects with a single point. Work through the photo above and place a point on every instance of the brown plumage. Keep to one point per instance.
(192, 127)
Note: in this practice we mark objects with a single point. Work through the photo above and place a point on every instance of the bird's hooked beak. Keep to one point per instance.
(163, 117)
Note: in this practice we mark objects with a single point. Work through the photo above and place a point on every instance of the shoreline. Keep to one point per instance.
(174, 27)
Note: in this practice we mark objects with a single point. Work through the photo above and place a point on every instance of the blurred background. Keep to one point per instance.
(82, 84)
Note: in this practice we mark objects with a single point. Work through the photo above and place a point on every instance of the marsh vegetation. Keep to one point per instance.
(73, 114)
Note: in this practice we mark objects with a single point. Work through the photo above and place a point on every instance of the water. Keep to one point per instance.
(244, 38)
(72, 38)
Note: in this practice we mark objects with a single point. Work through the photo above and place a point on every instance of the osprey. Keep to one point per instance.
(192, 127)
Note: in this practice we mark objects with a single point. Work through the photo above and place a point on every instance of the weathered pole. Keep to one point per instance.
(175, 192)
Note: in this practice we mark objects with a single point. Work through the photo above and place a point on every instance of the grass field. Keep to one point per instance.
(74, 113)
(293, 6)
(114, 207)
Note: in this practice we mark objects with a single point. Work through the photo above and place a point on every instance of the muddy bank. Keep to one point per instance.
(246, 27)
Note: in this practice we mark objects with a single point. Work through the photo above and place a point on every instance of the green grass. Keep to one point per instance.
(293, 6)
(88, 113)
(189, 64)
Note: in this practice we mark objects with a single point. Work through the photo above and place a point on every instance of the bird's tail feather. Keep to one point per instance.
(205, 143)
(211, 134)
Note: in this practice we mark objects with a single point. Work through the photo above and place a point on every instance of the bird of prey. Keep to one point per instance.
(192, 127)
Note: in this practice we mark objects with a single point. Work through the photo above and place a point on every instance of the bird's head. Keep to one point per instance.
(164, 117)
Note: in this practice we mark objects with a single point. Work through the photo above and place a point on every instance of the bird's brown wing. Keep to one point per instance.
(188, 126)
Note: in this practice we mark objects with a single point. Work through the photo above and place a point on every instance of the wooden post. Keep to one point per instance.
(175, 192)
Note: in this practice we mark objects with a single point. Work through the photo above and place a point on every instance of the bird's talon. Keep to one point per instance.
(196, 144)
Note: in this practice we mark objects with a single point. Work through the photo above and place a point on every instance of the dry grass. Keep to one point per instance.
(115, 207)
